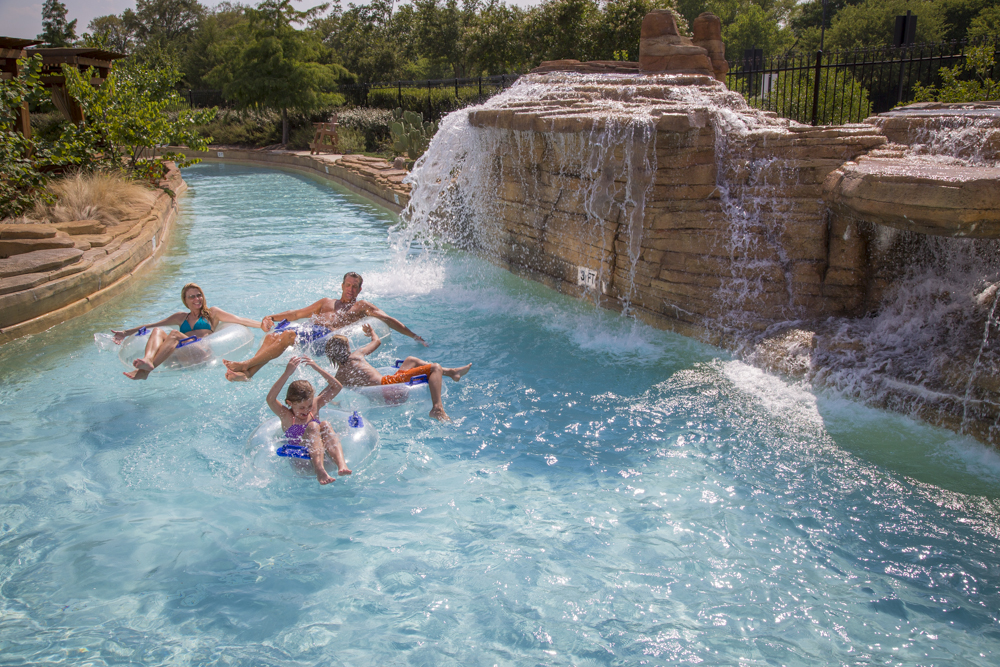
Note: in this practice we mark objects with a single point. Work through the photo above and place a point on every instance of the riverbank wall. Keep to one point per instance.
(50, 273)
(370, 177)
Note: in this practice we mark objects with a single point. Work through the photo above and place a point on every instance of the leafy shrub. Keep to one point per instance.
(371, 125)
(249, 128)
(969, 81)
(126, 119)
(433, 103)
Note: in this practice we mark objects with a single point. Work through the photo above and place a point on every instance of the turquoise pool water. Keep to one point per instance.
(607, 494)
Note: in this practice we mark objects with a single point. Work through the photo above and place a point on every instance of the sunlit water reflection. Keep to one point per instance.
(606, 494)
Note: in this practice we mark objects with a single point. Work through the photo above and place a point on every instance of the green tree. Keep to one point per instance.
(439, 31)
(210, 41)
(559, 29)
(56, 31)
(755, 27)
(969, 81)
(127, 118)
(110, 32)
(618, 26)
(871, 23)
(986, 24)
(163, 21)
(274, 65)
(371, 41)
(21, 178)
(492, 42)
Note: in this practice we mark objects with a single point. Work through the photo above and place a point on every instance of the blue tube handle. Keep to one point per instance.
(281, 325)
(417, 379)
(142, 331)
(355, 421)
(399, 362)
(187, 341)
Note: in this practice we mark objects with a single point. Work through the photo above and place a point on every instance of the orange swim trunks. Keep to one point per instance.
(404, 376)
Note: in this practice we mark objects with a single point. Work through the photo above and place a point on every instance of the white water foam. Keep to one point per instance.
(457, 181)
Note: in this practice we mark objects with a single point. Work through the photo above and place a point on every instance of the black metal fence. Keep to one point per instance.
(846, 86)
(432, 97)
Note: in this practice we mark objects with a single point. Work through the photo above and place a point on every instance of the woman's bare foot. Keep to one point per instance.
(143, 365)
(344, 471)
(456, 374)
(136, 375)
(323, 477)
(439, 414)
(238, 366)
(235, 376)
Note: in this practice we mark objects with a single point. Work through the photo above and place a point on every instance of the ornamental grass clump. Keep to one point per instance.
(105, 197)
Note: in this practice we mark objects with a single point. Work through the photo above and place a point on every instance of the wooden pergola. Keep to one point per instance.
(11, 50)
(53, 59)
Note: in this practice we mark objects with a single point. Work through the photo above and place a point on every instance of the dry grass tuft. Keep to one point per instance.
(107, 198)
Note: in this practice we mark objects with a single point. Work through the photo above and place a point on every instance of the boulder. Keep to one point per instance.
(38, 261)
(663, 49)
(18, 283)
(27, 231)
(77, 227)
(918, 196)
(11, 247)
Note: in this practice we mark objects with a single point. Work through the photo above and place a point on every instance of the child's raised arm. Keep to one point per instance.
(272, 396)
(365, 350)
(333, 385)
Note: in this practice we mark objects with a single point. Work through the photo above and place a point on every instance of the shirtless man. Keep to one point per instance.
(353, 370)
(327, 314)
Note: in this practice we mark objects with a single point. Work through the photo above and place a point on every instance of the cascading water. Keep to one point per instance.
(458, 183)
(930, 343)
(570, 181)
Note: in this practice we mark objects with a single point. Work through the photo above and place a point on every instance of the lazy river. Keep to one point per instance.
(607, 493)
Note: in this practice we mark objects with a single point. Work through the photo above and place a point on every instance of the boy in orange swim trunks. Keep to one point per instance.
(354, 371)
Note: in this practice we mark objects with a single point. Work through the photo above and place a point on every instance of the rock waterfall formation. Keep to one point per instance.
(860, 256)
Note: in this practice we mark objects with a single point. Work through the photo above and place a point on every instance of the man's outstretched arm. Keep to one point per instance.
(292, 315)
(393, 323)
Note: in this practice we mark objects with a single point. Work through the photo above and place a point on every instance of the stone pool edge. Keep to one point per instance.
(74, 295)
(354, 177)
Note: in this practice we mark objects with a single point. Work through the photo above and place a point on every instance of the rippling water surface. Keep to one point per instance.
(607, 494)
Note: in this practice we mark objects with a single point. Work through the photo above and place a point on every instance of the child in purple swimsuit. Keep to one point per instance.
(298, 417)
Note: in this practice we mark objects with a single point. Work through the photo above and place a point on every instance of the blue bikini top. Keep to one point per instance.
(202, 323)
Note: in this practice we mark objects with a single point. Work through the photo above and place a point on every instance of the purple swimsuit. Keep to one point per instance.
(296, 431)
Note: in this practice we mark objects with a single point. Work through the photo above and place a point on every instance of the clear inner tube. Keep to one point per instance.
(195, 353)
(311, 338)
(358, 438)
(414, 394)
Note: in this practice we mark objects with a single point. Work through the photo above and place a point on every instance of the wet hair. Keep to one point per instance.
(338, 349)
(298, 391)
(204, 302)
(352, 274)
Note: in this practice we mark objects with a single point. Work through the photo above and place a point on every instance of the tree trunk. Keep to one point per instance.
(284, 127)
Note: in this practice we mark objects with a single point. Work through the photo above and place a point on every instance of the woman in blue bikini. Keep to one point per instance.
(200, 321)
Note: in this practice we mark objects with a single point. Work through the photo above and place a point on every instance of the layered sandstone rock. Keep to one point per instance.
(661, 49)
(919, 196)
(707, 29)
(50, 273)
(557, 215)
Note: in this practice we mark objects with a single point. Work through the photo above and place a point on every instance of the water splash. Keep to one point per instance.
(600, 178)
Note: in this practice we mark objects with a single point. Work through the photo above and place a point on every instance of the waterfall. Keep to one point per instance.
(605, 174)
(557, 175)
